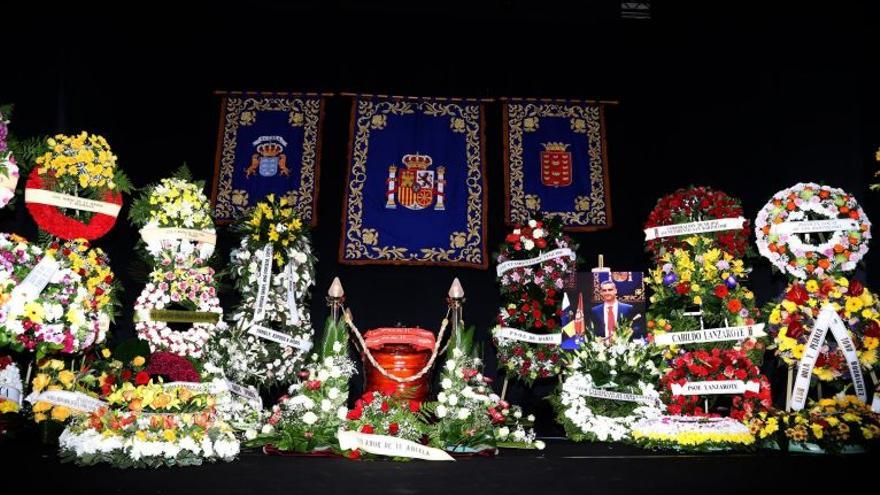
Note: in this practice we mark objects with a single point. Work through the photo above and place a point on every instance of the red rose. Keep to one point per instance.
(512, 238)
(125, 375)
(797, 294)
(872, 329)
(538, 324)
(354, 414)
(367, 397)
(856, 288)
(414, 406)
(721, 291)
(393, 428)
(683, 288)
(367, 429)
(540, 243)
(734, 305)
(385, 406)
(142, 378)
(110, 379)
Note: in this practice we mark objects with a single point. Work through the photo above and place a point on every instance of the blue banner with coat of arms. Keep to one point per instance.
(268, 144)
(416, 183)
(555, 162)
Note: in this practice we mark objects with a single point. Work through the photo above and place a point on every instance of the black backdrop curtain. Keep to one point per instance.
(749, 101)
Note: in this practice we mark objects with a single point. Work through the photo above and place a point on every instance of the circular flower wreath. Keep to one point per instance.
(174, 203)
(715, 365)
(8, 167)
(74, 310)
(837, 251)
(793, 318)
(193, 289)
(83, 166)
(618, 365)
(248, 358)
(706, 278)
(696, 204)
(532, 296)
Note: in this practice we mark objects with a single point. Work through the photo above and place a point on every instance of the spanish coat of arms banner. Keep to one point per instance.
(267, 144)
(555, 162)
(416, 183)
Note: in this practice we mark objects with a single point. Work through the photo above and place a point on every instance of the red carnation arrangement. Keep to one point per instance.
(696, 204)
(80, 166)
(714, 365)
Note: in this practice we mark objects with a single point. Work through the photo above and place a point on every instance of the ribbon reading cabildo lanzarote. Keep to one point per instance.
(706, 335)
(828, 320)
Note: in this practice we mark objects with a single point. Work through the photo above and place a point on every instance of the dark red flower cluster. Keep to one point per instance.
(715, 365)
(172, 368)
(696, 204)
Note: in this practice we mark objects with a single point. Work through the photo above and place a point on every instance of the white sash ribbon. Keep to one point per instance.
(248, 393)
(813, 226)
(33, 284)
(279, 337)
(828, 320)
(690, 228)
(389, 446)
(722, 334)
(716, 387)
(522, 336)
(10, 393)
(62, 200)
(556, 253)
(611, 395)
(292, 309)
(72, 400)
(173, 233)
(264, 281)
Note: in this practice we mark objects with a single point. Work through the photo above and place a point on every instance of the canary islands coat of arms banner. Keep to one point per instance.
(416, 183)
(555, 162)
(268, 144)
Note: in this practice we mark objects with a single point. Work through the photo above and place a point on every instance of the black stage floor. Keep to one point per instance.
(564, 467)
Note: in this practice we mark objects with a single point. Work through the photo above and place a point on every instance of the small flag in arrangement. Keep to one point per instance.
(573, 329)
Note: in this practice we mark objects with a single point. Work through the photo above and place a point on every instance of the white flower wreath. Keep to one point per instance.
(192, 288)
(253, 359)
(840, 250)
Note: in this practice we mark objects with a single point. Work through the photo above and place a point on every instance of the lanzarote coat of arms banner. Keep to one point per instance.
(555, 162)
(268, 144)
(416, 183)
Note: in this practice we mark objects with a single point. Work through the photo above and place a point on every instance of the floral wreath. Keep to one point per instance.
(175, 203)
(792, 319)
(840, 251)
(308, 417)
(532, 295)
(73, 311)
(615, 365)
(695, 433)
(696, 204)
(714, 365)
(706, 278)
(828, 426)
(149, 425)
(81, 166)
(250, 358)
(8, 167)
(192, 288)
